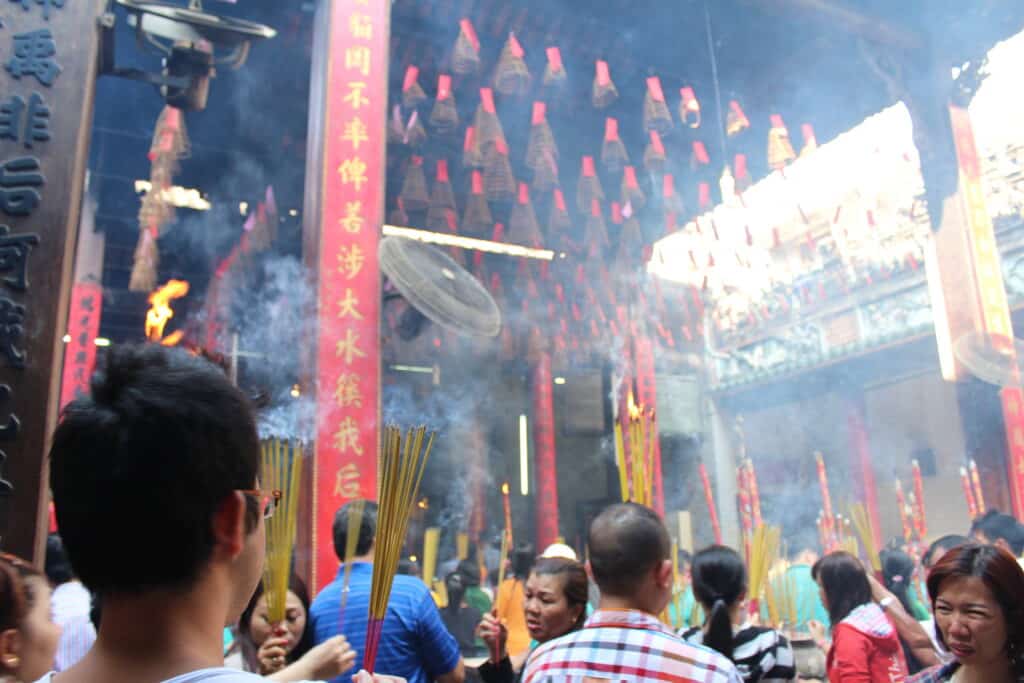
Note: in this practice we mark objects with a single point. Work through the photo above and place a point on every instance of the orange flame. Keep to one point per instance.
(504, 488)
(160, 312)
(634, 409)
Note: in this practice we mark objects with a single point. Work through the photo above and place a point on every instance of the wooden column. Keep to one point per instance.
(48, 55)
(344, 215)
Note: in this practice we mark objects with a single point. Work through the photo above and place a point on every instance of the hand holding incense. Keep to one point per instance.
(862, 522)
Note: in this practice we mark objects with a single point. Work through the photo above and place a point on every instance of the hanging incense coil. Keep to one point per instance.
(741, 173)
(632, 195)
(396, 127)
(452, 227)
(466, 54)
(630, 242)
(415, 133)
(414, 188)
(554, 73)
(736, 121)
(398, 216)
(588, 188)
(780, 149)
(412, 93)
(558, 219)
(442, 199)
(153, 210)
(471, 155)
(499, 183)
(540, 147)
(613, 153)
(654, 155)
(596, 230)
(170, 137)
(444, 117)
(656, 114)
(545, 176)
(671, 201)
(522, 223)
(689, 108)
(810, 139)
(511, 77)
(145, 262)
(486, 124)
(605, 92)
(477, 219)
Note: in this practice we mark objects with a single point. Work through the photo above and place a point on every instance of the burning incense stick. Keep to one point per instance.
(901, 504)
(402, 463)
(355, 523)
(709, 496)
(826, 499)
(280, 471)
(979, 497)
(919, 518)
(862, 522)
(620, 462)
(507, 505)
(764, 550)
(965, 482)
(755, 494)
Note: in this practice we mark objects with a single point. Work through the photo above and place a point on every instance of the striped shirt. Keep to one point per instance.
(414, 643)
(761, 654)
(627, 645)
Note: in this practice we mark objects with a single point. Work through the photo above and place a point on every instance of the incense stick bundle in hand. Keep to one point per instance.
(862, 522)
(281, 472)
(355, 522)
(401, 466)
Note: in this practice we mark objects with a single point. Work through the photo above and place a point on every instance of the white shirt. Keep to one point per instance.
(70, 605)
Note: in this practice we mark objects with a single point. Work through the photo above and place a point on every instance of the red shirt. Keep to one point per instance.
(866, 649)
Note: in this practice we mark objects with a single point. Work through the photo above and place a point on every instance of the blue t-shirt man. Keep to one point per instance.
(414, 643)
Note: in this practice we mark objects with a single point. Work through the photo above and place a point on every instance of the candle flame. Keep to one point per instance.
(160, 311)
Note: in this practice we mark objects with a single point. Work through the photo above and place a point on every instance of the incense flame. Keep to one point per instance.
(160, 312)
(634, 409)
(504, 488)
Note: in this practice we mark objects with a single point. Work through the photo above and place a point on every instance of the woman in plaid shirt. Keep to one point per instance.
(976, 592)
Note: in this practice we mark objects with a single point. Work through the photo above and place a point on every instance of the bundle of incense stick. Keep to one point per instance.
(920, 522)
(620, 462)
(826, 501)
(783, 594)
(431, 542)
(401, 466)
(677, 589)
(709, 497)
(641, 452)
(355, 522)
(901, 504)
(764, 550)
(280, 471)
(862, 523)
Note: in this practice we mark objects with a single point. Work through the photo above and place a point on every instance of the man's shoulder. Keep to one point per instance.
(410, 589)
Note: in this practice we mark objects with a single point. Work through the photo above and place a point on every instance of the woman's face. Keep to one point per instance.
(548, 614)
(971, 621)
(292, 628)
(39, 633)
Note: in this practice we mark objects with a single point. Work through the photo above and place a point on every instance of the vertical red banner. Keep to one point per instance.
(80, 349)
(544, 457)
(647, 397)
(348, 354)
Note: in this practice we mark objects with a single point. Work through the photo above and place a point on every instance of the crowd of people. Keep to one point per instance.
(164, 456)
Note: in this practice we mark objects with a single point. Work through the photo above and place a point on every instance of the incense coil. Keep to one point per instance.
(466, 53)
(413, 96)
(614, 156)
(145, 261)
(415, 133)
(540, 148)
(632, 195)
(597, 234)
(630, 240)
(471, 154)
(511, 76)
(588, 188)
(414, 188)
(444, 117)
(656, 115)
(654, 159)
(558, 219)
(488, 130)
(522, 225)
(499, 182)
(604, 92)
(398, 216)
(545, 176)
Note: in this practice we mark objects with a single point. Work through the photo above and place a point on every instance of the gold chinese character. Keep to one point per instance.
(355, 97)
(346, 439)
(361, 26)
(347, 306)
(350, 260)
(348, 348)
(355, 132)
(346, 481)
(347, 392)
(357, 57)
(353, 172)
(352, 221)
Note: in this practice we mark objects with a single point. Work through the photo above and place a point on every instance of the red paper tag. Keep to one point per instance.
(689, 98)
(656, 143)
(539, 111)
(467, 28)
(668, 186)
(442, 171)
(808, 131)
(654, 88)
(604, 78)
(500, 146)
(453, 226)
(499, 233)
(560, 200)
(495, 282)
(470, 139)
(740, 165)
(487, 100)
(411, 74)
(417, 161)
(700, 153)
(595, 208)
(704, 195)
(514, 47)
(611, 129)
(478, 182)
(777, 122)
(588, 167)
(738, 111)
(616, 213)
(630, 178)
(444, 86)
(524, 193)
(554, 59)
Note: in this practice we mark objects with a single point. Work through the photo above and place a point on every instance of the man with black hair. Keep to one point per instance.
(414, 642)
(630, 559)
(997, 528)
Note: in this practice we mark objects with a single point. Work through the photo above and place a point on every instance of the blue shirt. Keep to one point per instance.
(414, 643)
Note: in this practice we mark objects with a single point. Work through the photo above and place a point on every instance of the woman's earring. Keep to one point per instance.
(12, 661)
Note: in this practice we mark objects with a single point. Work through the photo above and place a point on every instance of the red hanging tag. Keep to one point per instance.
(495, 283)
(668, 186)
(740, 166)
(560, 293)
(630, 178)
(478, 260)
(656, 143)
(603, 76)
(470, 139)
(539, 111)
(417, 161)
(588, 167)
(595, 208)
(704, 195)
(478, 182)
(555, 59)
(411, 74)
(670, 222)
(777, 122)
(499, 233)
(700, 153)
(453, 225)
(654, 88)
(444, 87)
(616, 213)
(467, 28)
(611, 129)
(524, 194)
(809, 137)
(514, 47)
(560, 200)
(442, 171)
(871, 218)
(487, 100)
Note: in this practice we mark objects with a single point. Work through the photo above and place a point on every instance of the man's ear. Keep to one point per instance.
(229, 527)
(10, 649)
(664, 575)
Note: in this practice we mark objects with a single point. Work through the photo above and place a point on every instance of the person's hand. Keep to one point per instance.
(878, 591)
(272, 653)
(817, 631)
(494, 634)
(364, 677)
(330, 658)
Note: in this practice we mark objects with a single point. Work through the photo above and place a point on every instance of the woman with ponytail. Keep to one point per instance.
(720, 586)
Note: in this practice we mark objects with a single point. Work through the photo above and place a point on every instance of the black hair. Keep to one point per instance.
(945, 543)
(627, 541)
(897, 571)
(719, 581)
(367, 529)
(455, 586)
(842, 577)
(522, 560)
(576, 586)
(249, 647)
(998, 526)
(684, 557)
(161, 442)
(57, 567)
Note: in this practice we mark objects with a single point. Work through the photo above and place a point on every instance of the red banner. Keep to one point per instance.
(544, 458)
(80, 349)
(647, 396)
(348, 356)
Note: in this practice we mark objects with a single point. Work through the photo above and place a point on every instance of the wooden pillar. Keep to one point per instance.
(344, 215)
(48, 53)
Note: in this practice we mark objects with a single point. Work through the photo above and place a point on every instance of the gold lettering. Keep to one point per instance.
(346, 439)
(348, 348)
(355, 97)
(346, 481)
(350, 260)
(347, 306)
(355, 132)
(357, 58)
(360, 26)
(347, 393)
(353, 172)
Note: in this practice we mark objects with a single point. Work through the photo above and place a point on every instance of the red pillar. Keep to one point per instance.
(860, 452)
(545, 462)
(647, 396)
